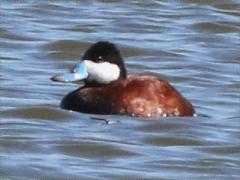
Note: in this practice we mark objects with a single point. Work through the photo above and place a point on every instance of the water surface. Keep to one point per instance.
(192, 44)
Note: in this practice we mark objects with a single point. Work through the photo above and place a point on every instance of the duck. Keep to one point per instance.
(108, 89)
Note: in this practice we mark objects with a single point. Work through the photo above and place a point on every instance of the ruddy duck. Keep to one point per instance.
(108, 89)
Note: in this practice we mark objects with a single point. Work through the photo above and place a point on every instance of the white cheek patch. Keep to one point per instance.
(103, 72)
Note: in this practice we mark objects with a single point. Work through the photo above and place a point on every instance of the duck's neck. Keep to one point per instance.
(97, 84)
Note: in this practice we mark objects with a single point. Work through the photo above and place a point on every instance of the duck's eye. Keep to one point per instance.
(100, 57)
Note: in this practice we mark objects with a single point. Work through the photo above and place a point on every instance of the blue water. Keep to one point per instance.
(192, 44)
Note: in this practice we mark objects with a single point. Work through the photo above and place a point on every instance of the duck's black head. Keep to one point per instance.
(101, 64)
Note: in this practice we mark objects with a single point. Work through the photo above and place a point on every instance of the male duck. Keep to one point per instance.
(108, 89)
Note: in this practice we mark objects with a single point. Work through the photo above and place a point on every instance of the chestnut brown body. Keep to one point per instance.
(140, 96)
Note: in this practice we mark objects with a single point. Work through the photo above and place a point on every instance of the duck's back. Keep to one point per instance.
(148, 96)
